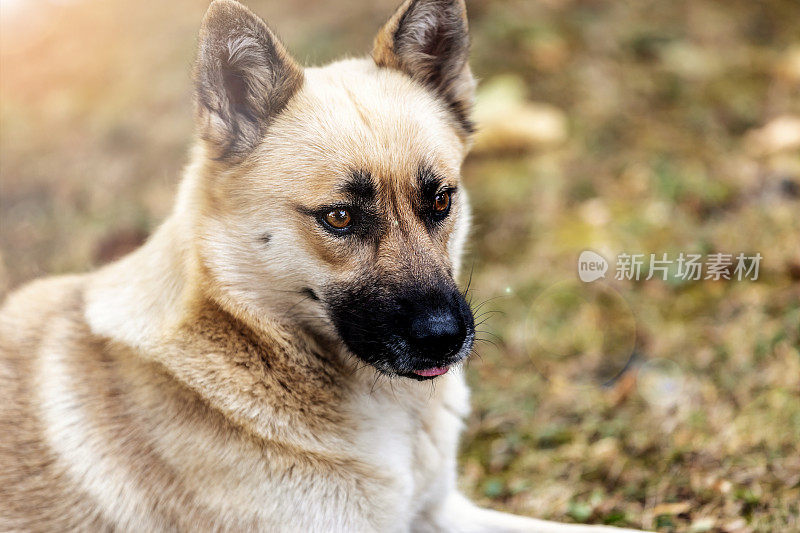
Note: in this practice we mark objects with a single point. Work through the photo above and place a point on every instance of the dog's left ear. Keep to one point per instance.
(429, 41)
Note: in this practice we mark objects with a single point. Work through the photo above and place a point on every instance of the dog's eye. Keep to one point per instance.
(441, 202)
(338, 218)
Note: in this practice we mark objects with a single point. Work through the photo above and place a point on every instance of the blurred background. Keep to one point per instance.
(619, 126)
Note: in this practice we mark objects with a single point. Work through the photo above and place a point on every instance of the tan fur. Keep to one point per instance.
(190, 386)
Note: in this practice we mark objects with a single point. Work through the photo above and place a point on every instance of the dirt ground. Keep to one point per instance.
(618, 126)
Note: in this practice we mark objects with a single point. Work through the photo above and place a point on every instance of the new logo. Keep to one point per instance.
(591, 266)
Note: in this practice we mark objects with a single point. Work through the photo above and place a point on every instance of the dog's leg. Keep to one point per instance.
(459, 515)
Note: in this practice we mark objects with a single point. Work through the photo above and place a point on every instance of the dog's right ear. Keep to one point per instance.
(243, 77)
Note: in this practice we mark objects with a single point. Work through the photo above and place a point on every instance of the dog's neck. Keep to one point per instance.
(142, 298)
(136, 299)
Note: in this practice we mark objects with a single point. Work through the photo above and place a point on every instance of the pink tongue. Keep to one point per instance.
(428, 372)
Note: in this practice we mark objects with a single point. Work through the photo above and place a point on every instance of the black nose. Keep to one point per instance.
(437, 333)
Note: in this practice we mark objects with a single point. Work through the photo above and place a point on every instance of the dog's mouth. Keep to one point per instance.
(412, 366)
(416, 366)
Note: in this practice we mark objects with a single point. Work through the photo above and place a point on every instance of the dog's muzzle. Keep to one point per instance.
(408, 331)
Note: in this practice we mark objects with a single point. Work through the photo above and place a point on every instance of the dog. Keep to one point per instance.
(265, 360)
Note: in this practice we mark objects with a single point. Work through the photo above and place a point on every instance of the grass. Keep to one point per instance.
(666, 405)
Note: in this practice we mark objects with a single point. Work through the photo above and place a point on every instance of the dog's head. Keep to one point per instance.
(331, 196)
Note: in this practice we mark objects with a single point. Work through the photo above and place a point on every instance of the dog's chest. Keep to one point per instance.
(409, 438)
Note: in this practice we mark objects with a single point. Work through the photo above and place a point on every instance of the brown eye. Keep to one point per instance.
(338, 218)
(441, 202)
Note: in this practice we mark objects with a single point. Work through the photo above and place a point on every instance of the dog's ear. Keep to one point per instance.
(243, 77)
(429, 41)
